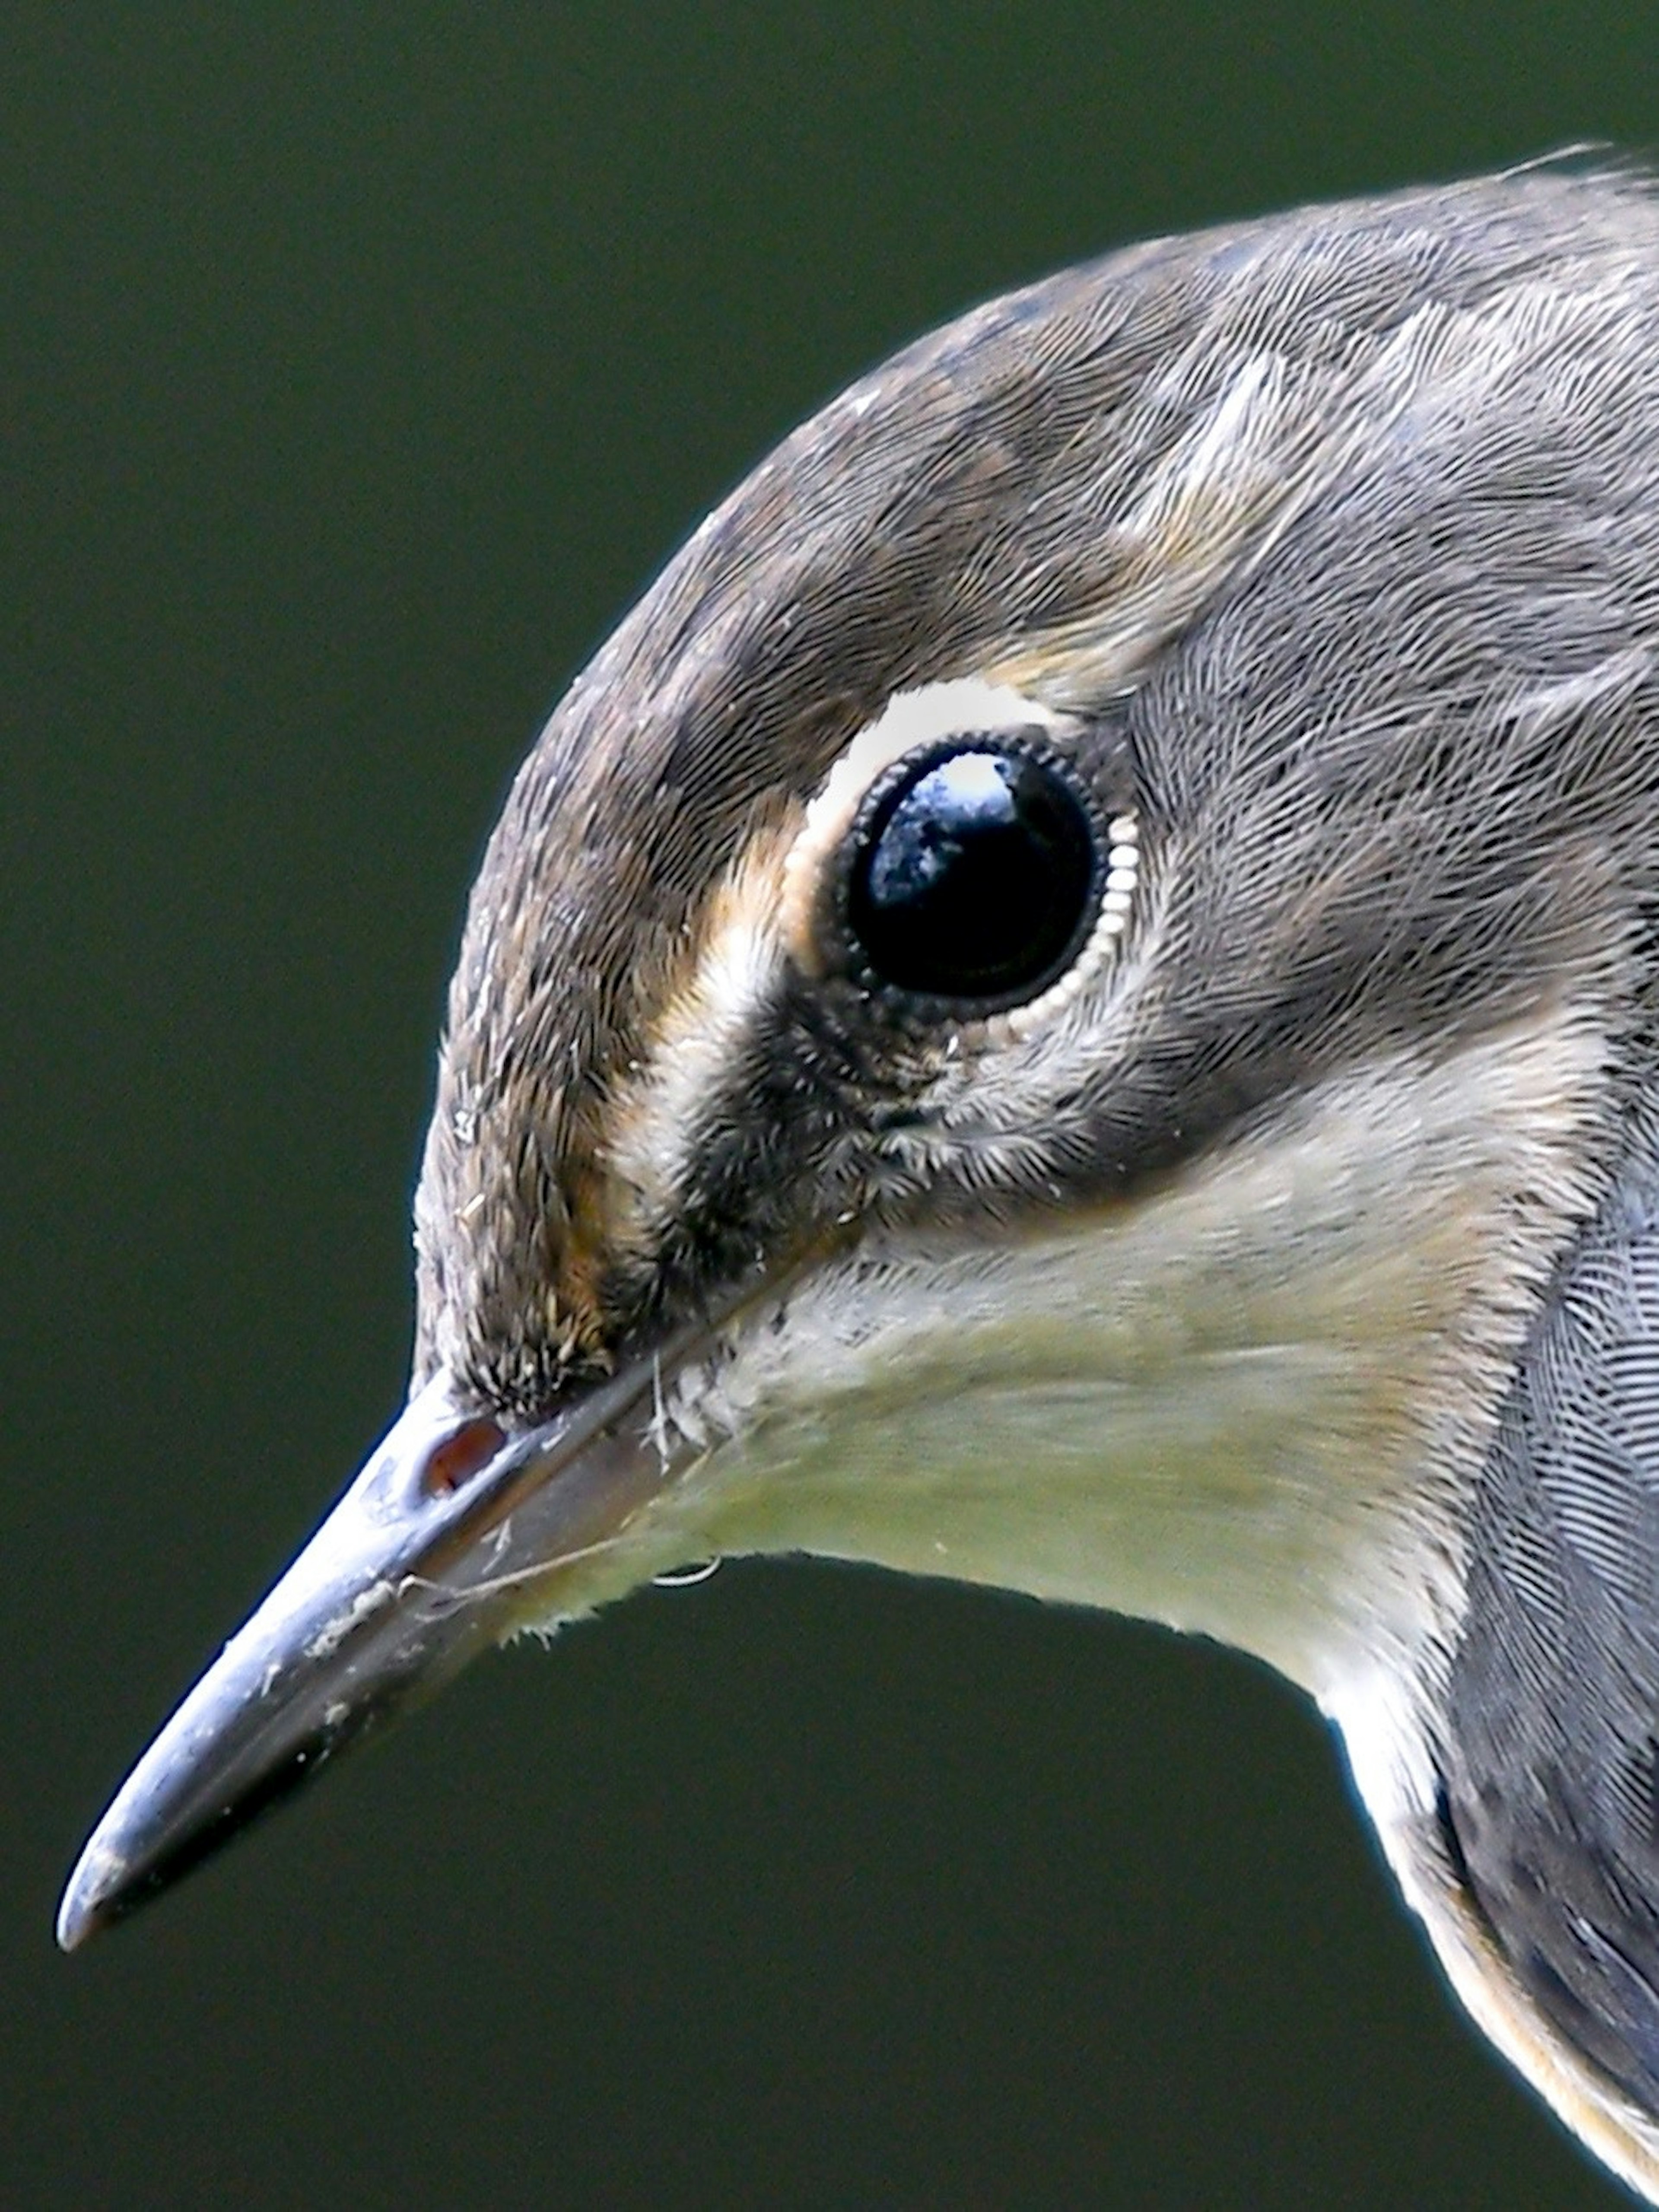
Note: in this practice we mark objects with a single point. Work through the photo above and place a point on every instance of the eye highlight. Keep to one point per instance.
(973, 872)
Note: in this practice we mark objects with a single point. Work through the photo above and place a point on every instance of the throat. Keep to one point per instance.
(1270, 1496)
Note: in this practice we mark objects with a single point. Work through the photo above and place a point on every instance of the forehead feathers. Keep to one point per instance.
(1049, 495)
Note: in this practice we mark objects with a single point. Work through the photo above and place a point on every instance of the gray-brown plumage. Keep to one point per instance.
(1279, 1255)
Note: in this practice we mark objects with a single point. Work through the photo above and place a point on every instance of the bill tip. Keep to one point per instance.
(91, 1900)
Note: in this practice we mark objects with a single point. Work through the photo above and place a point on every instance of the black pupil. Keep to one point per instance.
(974, 878)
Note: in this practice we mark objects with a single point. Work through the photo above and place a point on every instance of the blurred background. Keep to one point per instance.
(358, 365)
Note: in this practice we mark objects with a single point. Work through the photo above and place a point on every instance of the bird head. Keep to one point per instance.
(1046, 1009)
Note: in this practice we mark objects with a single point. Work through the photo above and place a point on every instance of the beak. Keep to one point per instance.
(452, 1535)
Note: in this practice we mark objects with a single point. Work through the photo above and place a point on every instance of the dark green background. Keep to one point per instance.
(357, 365)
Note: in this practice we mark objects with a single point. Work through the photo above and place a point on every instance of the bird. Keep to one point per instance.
(1072, 1003)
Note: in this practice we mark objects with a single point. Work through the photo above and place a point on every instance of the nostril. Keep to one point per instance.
(460, 1455)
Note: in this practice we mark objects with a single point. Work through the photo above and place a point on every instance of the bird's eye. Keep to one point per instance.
(973, 872)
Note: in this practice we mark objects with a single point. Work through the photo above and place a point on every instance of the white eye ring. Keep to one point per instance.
(1116, 905)
(1122, 871)
(909, 720)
